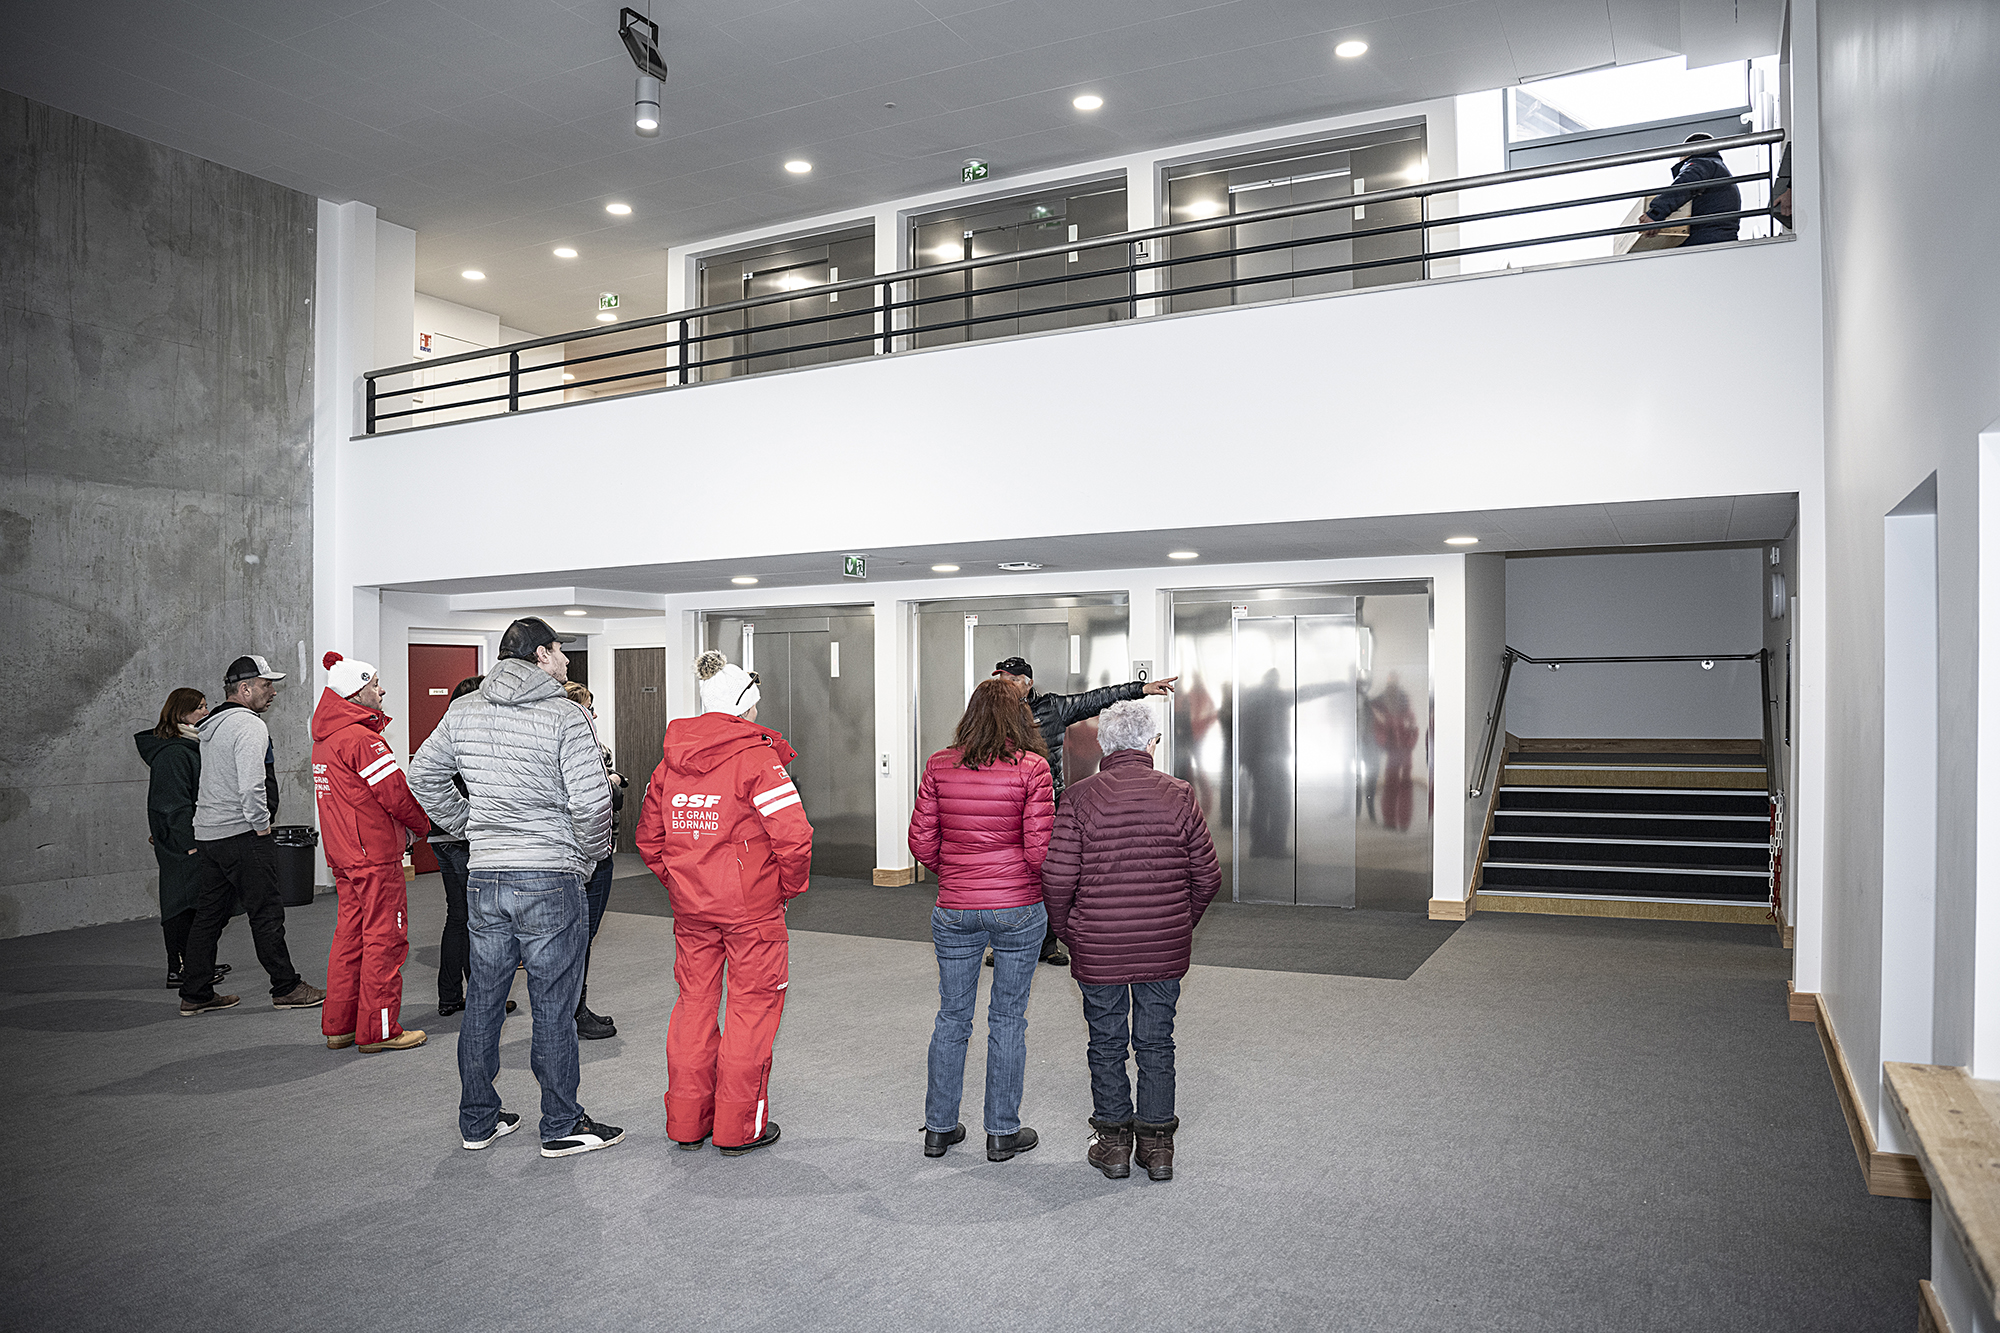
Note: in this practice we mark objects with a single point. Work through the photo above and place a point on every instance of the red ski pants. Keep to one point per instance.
(720, 1082)
(364, 968)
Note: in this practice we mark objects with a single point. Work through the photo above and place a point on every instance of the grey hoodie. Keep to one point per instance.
(539, 799)
(239, 784)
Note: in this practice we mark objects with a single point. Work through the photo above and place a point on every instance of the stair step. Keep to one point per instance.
(1626, 880)
(1638, 800)
(1679, 853)
(1631, 824)
(1633, 775)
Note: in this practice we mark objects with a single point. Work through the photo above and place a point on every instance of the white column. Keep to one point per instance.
(1986, 854)
(895, 739)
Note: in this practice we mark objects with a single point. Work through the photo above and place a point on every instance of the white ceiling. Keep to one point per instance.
(624, 591)
(499, 129)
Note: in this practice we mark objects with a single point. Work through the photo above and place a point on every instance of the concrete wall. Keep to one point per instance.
(156, 424)
(1641, 604)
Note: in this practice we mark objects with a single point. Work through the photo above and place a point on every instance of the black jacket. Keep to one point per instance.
(1055, 712)
(1688, 178)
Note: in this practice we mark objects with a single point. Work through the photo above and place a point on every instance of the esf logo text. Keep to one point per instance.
(696, 800)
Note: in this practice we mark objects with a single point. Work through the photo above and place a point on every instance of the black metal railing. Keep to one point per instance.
(1497, 713)
(674, 348)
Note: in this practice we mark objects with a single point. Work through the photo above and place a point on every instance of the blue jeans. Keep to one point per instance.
(962, 938)
(536, 917)
(1149, 1034)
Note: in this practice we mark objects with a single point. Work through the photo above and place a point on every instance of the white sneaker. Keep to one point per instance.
(586, 1135)
(505, 1125)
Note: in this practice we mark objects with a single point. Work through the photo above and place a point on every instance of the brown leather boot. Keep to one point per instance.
(1111, 1148)
(1156, 1148)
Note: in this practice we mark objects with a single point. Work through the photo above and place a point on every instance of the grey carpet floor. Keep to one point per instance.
(1553, 1124)
(1328, 940)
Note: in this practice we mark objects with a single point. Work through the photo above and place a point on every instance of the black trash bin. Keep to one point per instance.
(293, 851)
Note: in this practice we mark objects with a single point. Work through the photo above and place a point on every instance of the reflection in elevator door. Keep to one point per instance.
(1294, 737)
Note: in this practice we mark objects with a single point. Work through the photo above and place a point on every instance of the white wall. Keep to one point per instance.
(1353, 417)
(1637, 604)
(1907, 109)
(1486, 578)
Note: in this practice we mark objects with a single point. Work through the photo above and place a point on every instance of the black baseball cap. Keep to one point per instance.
(529, 633)
(250, 667)
(1014, 666)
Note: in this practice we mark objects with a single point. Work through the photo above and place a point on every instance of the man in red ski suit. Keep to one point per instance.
(364, 807)
(723, 829)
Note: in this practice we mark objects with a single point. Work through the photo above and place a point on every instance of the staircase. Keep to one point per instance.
(1672, 829)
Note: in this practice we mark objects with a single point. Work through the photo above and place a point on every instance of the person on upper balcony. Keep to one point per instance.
(1690, 176)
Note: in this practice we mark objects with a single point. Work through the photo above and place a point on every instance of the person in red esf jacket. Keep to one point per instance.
(723, 829)
(982, 820)
(367, 818)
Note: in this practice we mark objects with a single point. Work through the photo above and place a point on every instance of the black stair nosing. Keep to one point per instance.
(1539, 891)
(1625, 868)
(1581, 757)
(1597, 788)
(1762, 844)
(1763, 818)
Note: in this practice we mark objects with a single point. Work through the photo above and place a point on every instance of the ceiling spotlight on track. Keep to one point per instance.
(642, 39)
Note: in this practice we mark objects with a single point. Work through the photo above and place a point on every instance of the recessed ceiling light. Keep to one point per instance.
(1349, 50)
(1087, 102)
(576, 611)
(1019, 564)
(564, 252)
(798, 166)
(473, 275)
(944, 569)
(618, 210)
(567, 377)
(744, 580)
(606, 317)
(1461, 541)
(1184, 555)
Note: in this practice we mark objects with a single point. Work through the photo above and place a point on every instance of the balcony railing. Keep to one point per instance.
(891, 312)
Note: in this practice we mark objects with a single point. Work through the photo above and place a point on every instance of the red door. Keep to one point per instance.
(434, 669)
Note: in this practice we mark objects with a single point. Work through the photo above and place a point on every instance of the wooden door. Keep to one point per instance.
(434, 669)
(640, 676)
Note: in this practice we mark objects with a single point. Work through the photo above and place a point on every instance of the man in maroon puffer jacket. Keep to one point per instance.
(1130, 870)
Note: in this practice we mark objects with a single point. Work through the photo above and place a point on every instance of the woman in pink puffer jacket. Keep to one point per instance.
(984, 810)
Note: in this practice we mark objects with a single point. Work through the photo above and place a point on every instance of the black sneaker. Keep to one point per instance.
(446, 1008)
(764, 1140)
(586, 1135)
(1056, 956)
(505, 1125)
(221, 971)
(592, 1027)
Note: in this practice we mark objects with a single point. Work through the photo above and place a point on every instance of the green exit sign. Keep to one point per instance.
(607, 301)
(974, 170)
(854, 567)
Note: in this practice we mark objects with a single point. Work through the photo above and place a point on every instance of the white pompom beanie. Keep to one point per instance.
(725, 687)
(345, 676)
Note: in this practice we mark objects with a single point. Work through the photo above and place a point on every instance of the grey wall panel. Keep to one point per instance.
(156, 418)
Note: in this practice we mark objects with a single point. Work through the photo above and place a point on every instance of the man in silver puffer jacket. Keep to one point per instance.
(538, 817)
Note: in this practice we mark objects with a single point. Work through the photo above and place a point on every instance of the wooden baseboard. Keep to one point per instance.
(1892, 1175)
(1452, 909)
(1623, 909)
(1930, 1313)
(895, 879)
(1786, 935)
(1801, 1006)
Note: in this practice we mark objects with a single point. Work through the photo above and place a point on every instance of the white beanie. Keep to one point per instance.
(345, 676)
(725, 687)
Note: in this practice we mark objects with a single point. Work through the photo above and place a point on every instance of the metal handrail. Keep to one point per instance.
(1509, 656)
(885, 304)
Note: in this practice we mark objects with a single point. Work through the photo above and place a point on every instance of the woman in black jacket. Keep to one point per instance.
(174, 756)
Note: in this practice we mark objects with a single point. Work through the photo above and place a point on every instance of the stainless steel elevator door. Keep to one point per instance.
(1072, 649)
(1264, 691)
(1324, 771)
(1294, 737)
(829, 720)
